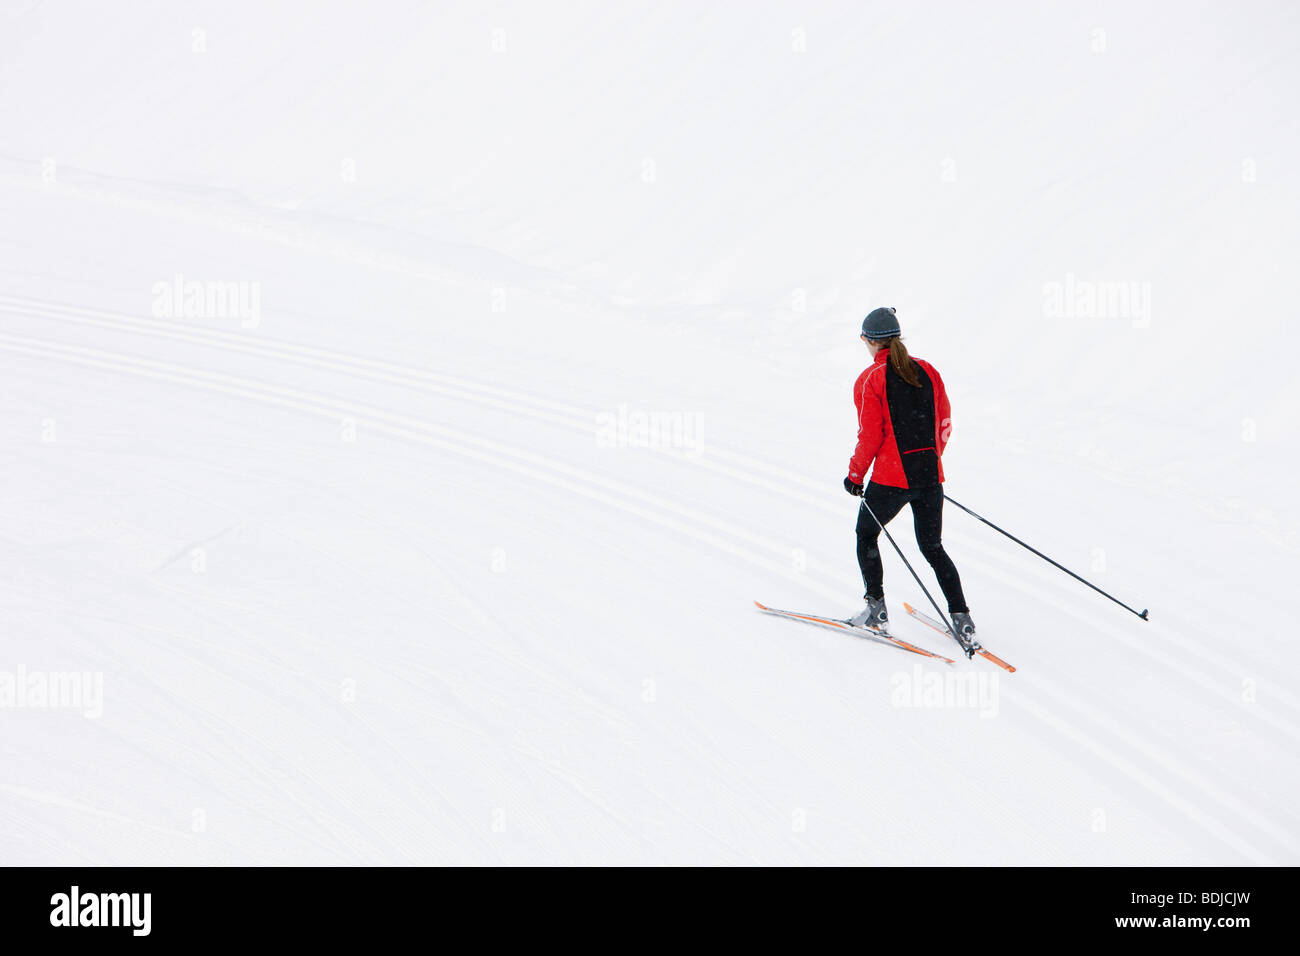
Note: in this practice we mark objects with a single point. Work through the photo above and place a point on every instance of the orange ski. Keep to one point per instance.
(842, 625)
(979, 649)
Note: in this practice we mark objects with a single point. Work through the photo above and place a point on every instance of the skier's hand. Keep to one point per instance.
(851, 488)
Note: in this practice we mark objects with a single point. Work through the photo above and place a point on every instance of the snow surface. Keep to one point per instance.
(372, 576)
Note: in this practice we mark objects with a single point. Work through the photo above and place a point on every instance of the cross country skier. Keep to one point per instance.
(903, 426)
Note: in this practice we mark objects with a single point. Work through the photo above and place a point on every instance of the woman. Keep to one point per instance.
(903, 426)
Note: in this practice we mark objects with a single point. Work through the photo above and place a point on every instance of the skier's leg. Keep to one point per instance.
(927, 516)
(885, 502)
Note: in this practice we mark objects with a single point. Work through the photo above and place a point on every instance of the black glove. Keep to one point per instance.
(851, 488)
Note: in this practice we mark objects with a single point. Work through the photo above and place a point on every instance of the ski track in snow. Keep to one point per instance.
(583, 421)
(1053, 709)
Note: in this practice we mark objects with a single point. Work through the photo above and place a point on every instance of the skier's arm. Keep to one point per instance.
(871, 432)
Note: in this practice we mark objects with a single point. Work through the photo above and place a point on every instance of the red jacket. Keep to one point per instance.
(923, 420)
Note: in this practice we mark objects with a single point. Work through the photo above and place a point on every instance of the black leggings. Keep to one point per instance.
(927, 515)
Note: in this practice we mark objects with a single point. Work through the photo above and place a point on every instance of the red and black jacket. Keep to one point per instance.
(902, 428)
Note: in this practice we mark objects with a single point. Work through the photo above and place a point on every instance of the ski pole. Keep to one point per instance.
(943, 617)
(1142, 615)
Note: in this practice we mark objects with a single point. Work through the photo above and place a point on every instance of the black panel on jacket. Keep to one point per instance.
(911, 411)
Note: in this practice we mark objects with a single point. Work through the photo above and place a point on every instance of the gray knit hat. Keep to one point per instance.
(882, 323)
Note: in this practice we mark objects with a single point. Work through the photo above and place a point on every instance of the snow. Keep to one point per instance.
(385, 568)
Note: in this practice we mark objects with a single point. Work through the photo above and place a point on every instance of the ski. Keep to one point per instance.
(976, 646)
(843, 625)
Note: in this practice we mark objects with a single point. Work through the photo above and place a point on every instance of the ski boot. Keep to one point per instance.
(961, 620)
(874, 617)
